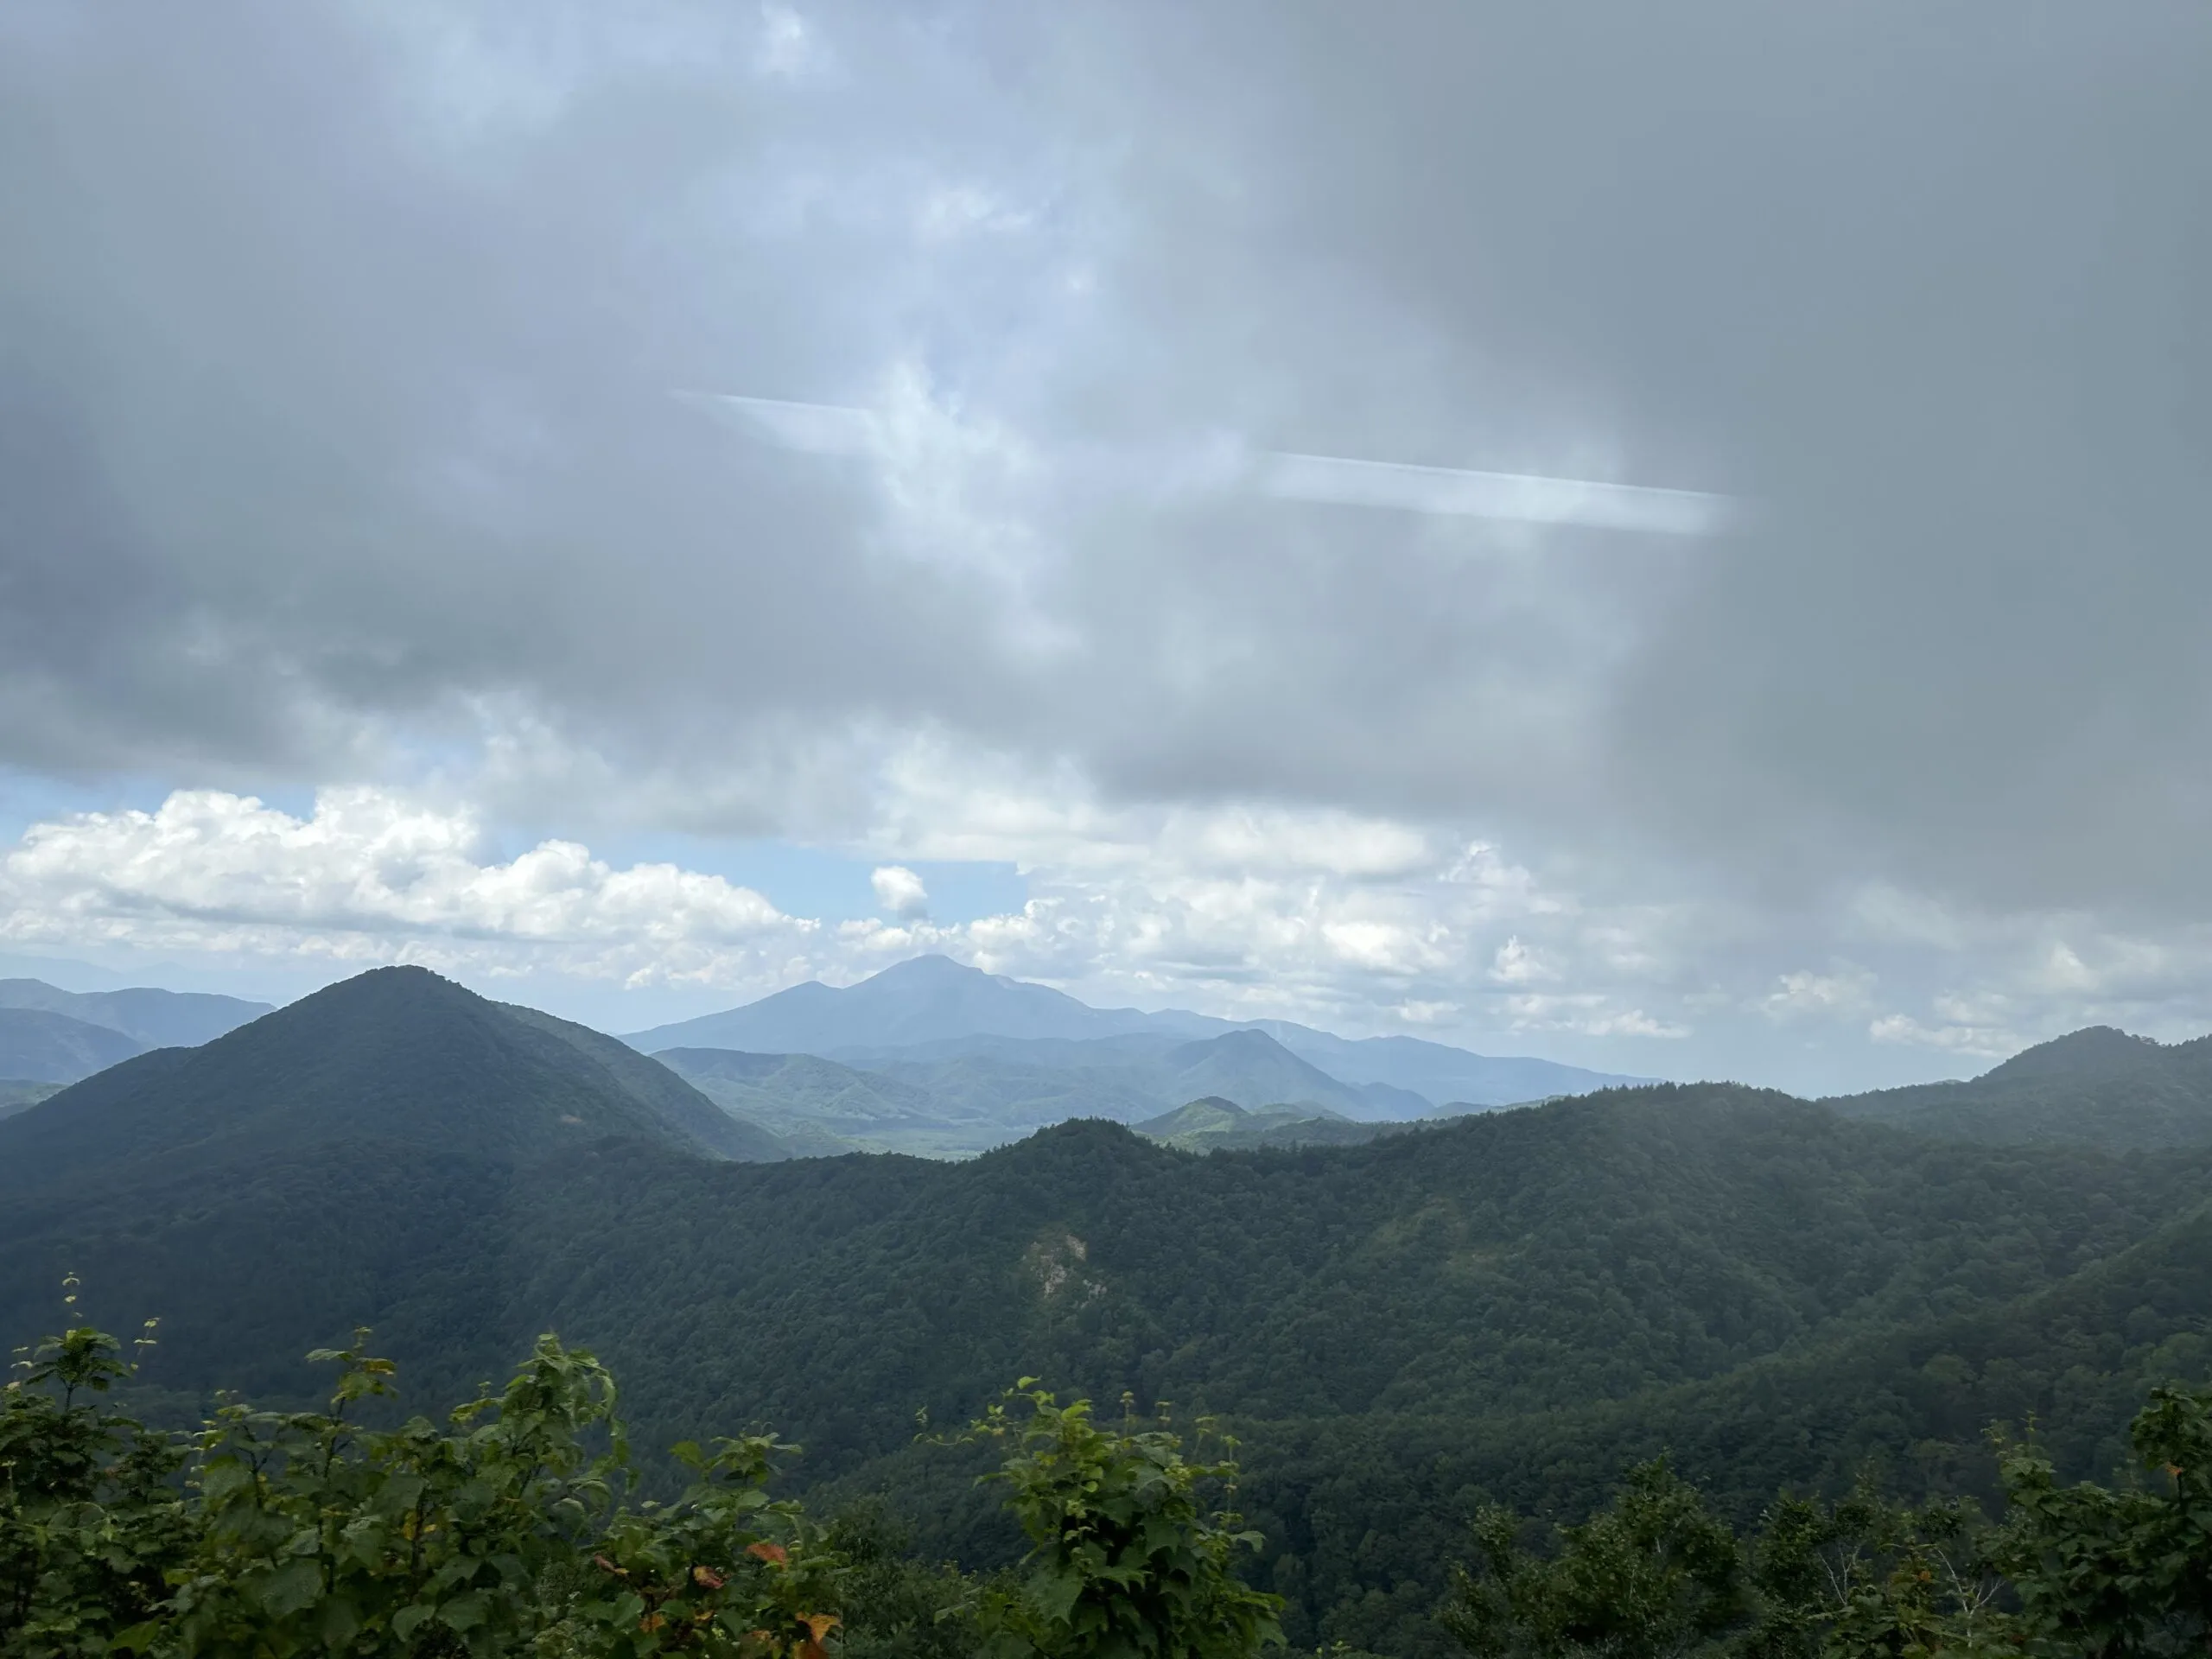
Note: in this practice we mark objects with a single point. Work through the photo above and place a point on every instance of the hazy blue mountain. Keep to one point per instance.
(157, 1019)
(1120, 1052)
(40, 1046)
(920, 1001)
(933, 1008)
(1242, 1063)
(937, 1100)
(2095, 1087)
(1253, 1069)
(395, 1056)
(1441, 1073)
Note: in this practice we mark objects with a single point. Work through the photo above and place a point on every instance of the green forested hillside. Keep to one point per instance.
(398, 1057)
(1213, 1124)
(1510, 1306)
(2097, 1087)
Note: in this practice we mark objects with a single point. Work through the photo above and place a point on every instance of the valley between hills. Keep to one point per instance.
(845, 1216)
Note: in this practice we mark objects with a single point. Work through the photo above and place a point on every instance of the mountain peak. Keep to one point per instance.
(397, 1055)
(2095, 1051)
(935, 968)
(923, 999)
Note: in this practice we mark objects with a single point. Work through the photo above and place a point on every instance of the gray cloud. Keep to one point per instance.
(336, 435)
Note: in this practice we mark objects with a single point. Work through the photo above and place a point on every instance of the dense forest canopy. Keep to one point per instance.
(1509, 1308)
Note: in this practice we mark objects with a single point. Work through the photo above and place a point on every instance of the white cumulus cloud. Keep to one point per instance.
(899, 891)
(369, 876)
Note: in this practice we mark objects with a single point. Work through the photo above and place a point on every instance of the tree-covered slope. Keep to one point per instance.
(398, 1055)
(1518, 1260)
(1515, 1261)
(1512, 1304)
(1213, 1124)
(2096, 1087)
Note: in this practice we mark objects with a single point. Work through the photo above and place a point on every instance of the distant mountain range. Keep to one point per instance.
(53, 1036)
(928, 1056)
(1511, 1305)
(964, 1096)
(932, 1007)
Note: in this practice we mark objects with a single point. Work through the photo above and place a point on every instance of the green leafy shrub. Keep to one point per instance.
(91, 1522)
(1652, 1574)
(515, 1528)
(1126, 1560)
(2079, 1572)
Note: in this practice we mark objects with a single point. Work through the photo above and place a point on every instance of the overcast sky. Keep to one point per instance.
(381, 579)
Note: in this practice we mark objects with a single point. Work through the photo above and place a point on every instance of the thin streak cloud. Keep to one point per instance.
(1337, 480)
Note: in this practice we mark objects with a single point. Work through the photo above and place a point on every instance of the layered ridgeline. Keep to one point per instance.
(934, 1058)
(988, 1091)
(49, 1036)
(1512, 1305)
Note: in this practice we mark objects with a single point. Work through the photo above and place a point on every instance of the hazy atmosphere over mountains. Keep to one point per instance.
(387, 573)
(1460, 747)
(1400, 1320)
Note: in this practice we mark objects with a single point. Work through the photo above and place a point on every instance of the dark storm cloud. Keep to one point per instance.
(339, 349)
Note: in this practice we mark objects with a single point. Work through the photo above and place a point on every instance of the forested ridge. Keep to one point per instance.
(1510, 1308)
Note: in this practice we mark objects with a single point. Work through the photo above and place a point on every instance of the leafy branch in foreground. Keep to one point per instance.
(1125, 1561)
(513, 1528)
(90, 1518)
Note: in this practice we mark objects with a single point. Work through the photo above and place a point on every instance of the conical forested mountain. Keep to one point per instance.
(362, 1151)
(398, 1055)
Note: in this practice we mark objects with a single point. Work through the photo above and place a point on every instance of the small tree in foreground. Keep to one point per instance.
(1653, 1574)
(1126, 1560)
